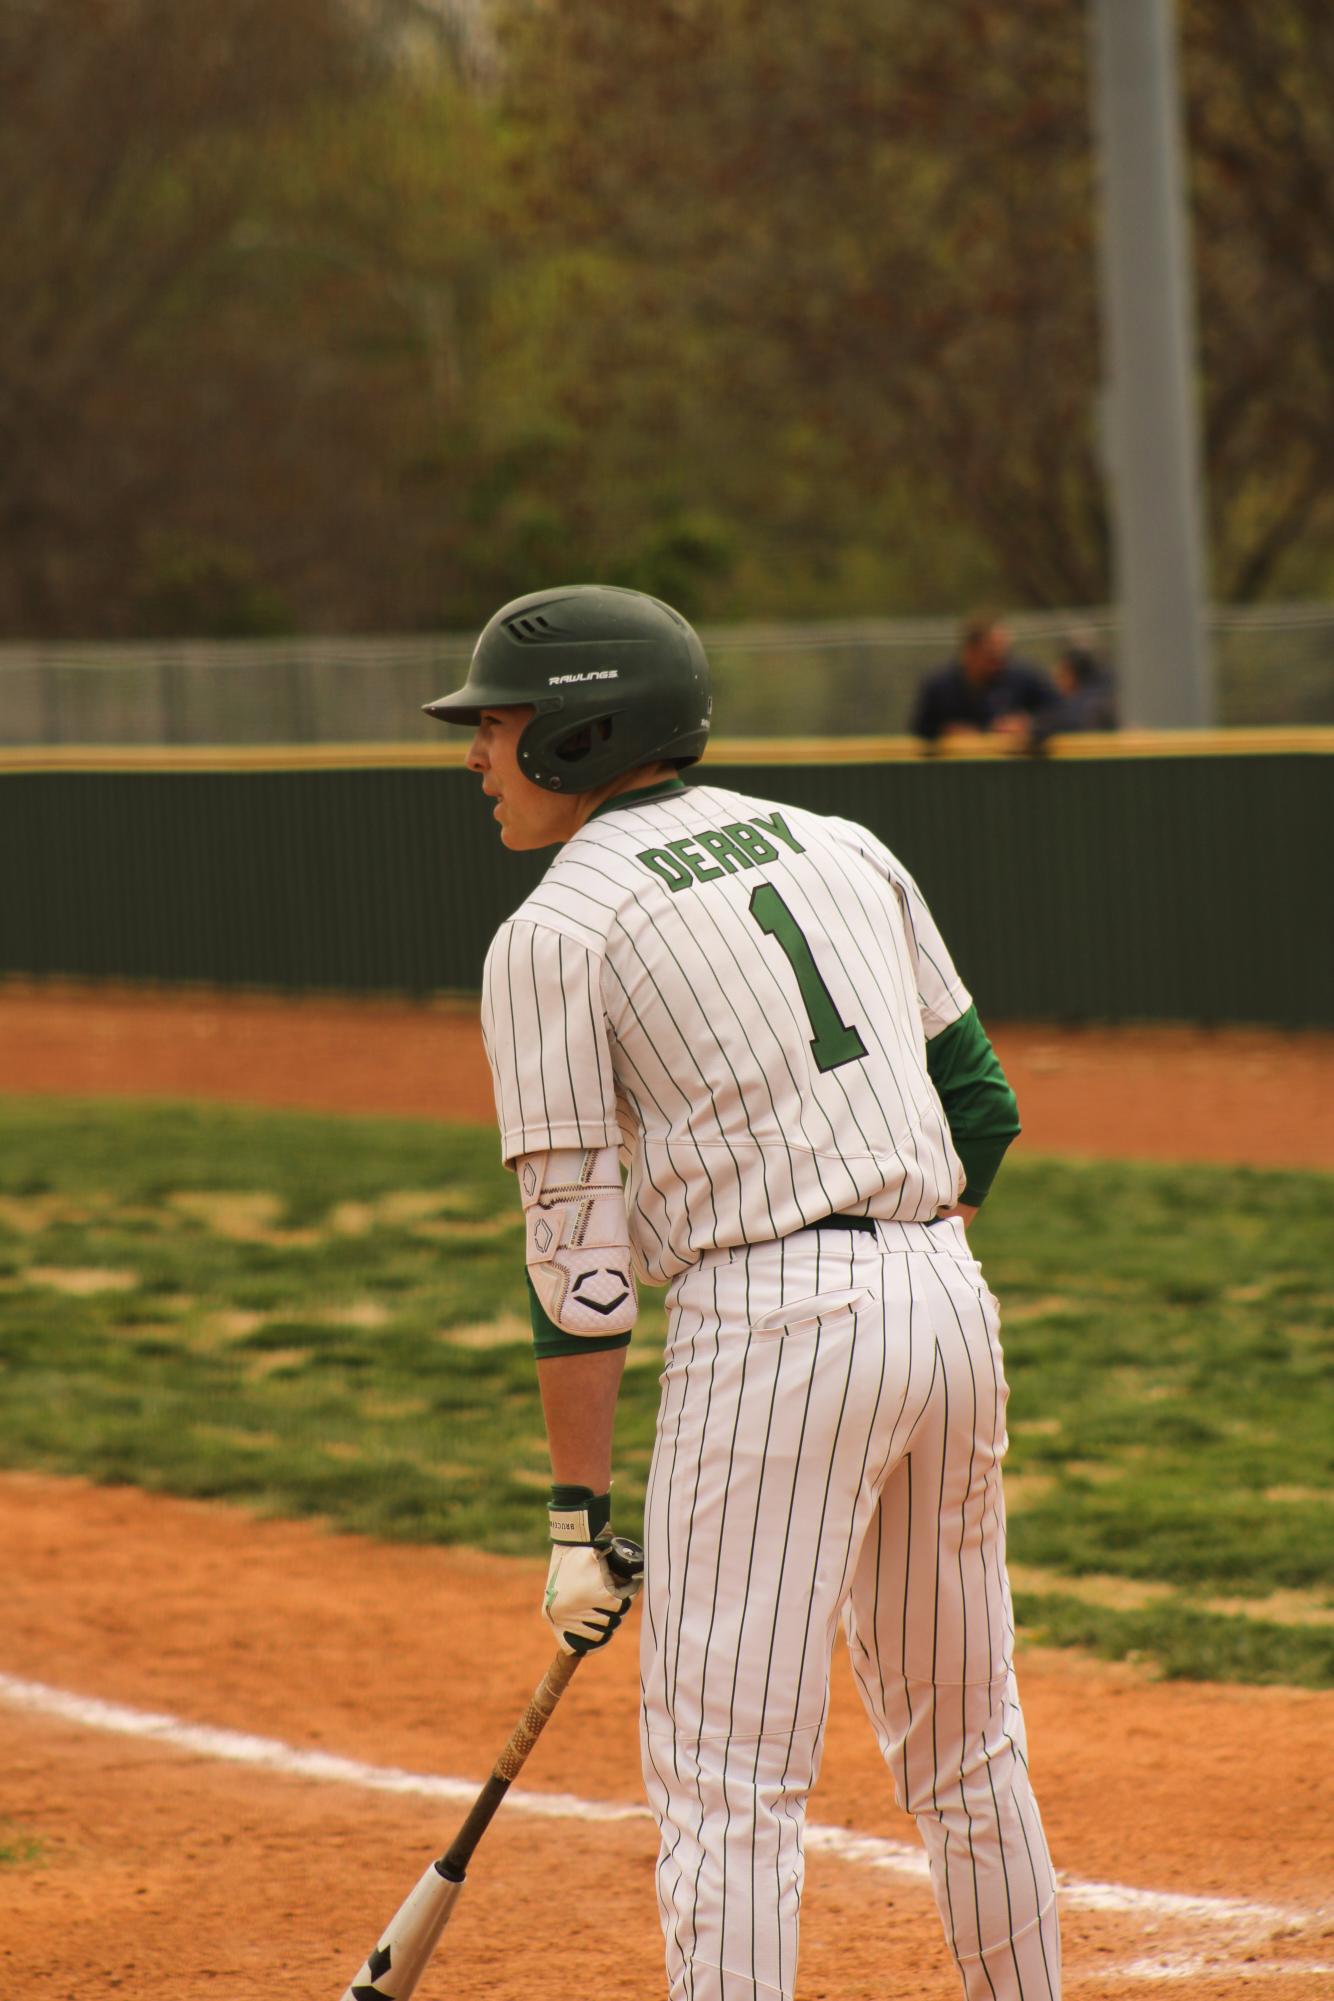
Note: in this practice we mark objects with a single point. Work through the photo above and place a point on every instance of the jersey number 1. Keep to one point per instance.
(834, 1042)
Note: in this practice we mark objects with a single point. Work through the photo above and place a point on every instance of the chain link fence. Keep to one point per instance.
(1274, 665)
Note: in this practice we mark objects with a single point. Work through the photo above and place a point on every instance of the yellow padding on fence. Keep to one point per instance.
(817, 750)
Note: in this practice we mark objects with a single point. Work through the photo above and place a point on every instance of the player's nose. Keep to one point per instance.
(476, 759)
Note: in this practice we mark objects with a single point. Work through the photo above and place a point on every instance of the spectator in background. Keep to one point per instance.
(985, 691)
(1085, 698)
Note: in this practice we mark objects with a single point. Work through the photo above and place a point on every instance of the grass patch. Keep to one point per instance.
(19, 1850)
(1169, 1334)
(1183, 1643)
(313, 1316)
(320, 1316)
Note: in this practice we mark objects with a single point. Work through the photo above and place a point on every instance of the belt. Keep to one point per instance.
(866, 1224)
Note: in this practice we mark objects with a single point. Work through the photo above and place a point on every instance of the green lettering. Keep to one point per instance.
(696, 863)
(750, 843)
(666, 867)
(723, 850)
(778, 825)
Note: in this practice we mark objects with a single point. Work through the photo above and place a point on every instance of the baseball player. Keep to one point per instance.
(748, 1008)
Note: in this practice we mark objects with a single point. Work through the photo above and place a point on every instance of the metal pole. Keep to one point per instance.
(1152, 429)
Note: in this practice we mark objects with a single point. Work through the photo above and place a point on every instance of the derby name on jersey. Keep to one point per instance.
(740, 844)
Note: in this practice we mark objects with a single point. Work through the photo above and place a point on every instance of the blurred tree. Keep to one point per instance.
(369, 276)
(189, 587)
(129, 136)
(244, 269)
(865, 227)
(870, 231)
(356, 313)
(1261, 87)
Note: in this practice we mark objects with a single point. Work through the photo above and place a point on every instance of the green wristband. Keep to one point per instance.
(577, 1514)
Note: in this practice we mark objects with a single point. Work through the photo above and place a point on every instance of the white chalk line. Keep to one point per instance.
(236, 1747)
(875, 1852)
(1195, 1966)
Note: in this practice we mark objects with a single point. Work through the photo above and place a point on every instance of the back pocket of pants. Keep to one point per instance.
(794, 1316)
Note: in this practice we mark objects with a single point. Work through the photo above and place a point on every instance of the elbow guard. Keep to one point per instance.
(578, 1239)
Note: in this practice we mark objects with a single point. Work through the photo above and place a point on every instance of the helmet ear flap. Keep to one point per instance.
(546, 752)
(572, 749)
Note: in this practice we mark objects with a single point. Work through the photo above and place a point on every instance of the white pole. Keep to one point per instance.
(1151, 434)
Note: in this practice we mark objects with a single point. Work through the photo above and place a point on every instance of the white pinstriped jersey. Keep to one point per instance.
(740, 994)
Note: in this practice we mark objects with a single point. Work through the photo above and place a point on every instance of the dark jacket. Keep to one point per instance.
(1090, 706)
(947, 696)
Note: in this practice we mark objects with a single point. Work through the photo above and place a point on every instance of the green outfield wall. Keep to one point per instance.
(1135, 881)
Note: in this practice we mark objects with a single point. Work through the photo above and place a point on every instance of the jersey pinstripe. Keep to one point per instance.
(741, 994)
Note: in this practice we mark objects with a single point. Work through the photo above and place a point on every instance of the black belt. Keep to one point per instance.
(863, 1223)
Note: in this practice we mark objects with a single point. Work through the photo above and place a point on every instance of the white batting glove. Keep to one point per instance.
(591, 1583)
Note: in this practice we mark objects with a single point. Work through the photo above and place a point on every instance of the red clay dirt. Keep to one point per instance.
(172, 1874)
(1254, 1096)
(166, 1873)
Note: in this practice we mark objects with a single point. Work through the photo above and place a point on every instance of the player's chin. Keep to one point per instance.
(523, 838)
(515, 837)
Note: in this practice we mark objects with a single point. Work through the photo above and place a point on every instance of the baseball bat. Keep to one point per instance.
(392, 1970)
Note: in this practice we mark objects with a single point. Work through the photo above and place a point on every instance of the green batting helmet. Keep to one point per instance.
(618, 679)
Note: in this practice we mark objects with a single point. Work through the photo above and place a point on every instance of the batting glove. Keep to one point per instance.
(593, 1576)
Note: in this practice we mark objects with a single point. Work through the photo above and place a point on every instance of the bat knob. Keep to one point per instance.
(625, 1559)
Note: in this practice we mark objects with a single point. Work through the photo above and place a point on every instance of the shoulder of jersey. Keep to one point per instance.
(815, 827)
(614, 842)
(601, 868)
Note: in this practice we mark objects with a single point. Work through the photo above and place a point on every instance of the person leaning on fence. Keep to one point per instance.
(983, 691)
(1085, 696)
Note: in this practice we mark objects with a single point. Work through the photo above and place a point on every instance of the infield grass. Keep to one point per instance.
(318, 1316)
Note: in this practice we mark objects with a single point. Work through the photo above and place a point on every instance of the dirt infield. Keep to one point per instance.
(1191, 1824)
(170, 1870)
(1248, 1095)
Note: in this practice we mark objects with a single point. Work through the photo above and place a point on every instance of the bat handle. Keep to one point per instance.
(535, 1717)
(453, 1864)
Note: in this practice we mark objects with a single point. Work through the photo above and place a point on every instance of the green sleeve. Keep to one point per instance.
(979, 1104)
(549, 1339)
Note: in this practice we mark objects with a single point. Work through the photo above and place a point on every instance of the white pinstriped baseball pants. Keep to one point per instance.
(829, 1443)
